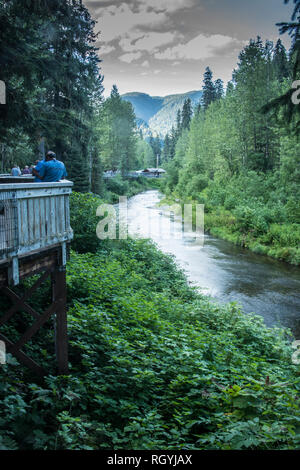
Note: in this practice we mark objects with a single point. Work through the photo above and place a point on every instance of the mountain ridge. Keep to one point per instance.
(157, 114)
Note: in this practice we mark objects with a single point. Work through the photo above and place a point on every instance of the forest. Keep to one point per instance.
(50, 65)
(241, 160)
(154, 364)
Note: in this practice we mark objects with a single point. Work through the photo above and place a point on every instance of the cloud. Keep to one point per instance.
(145, 64)
(199, 48)
(145, 41)
(117, 21)
(153, 40)
(137, 25)
(128, 58)
(138, 5)
(168, 5)
(106, 49)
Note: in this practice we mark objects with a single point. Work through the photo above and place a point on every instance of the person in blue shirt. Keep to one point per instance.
(16, 171)
(37, 169)
(50, 170)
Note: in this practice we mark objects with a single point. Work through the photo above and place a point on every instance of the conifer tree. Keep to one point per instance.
(198, 109)
(230, 88)
(209, 91)
(187, 113)
(157, 148)
(284, 102)
(51, 67)
(166, 148)
(179, 122)
(173, 140)
(151, 142)
(280, 61)
(117, 133)
(219, 87)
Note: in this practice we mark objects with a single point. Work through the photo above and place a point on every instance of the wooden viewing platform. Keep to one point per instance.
(34, 234)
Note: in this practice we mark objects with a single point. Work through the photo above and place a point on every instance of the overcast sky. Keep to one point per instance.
(162, 47)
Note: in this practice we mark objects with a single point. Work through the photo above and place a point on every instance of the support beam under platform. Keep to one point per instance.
(50, 264)
(59, 295)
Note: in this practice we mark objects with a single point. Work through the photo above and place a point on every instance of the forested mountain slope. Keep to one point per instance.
(160, 113)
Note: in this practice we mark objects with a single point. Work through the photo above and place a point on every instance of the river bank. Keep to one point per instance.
(280, 241)
(116, 187)
(223, 271)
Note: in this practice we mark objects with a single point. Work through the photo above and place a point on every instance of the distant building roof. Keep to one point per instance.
(151, 170)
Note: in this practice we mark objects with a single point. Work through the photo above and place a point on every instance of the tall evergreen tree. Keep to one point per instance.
(145, 155)
(280, 61)
(173, 136)
(152, 142)
(198, 109)
(219, 87)
(187, 113)
(117, 133)
(51, 67)
(157, 149)
(166, 148)
(179, 121)
(230, 88)
(284, 102)
(209, 91)
(253, 88)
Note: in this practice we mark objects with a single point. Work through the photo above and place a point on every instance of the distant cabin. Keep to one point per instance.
(147, 172)
(151, 172)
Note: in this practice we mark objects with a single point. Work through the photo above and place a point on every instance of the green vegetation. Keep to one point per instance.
(50, 65)
(51, 69)
(285, 102)
(241, 163)
(118, 186)
(153, 363)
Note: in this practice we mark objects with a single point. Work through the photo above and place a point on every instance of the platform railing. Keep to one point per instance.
(33, 217)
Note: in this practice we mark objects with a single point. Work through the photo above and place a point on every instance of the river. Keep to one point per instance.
(223, 271)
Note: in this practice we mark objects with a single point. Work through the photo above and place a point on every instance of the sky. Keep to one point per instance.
(162, 47)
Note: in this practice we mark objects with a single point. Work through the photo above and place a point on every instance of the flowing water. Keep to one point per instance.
(220, 269)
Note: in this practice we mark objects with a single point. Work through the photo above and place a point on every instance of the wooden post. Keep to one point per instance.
(59, 294)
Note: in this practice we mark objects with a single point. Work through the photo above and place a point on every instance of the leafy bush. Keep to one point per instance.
(117, 185)
(246, 208)
(293, 210)
(197, 184)
(285, 235)
(83, 220)
(249, 219)
(153, 364)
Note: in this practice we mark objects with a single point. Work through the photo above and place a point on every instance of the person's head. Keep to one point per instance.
(26, 167)
(50, 156)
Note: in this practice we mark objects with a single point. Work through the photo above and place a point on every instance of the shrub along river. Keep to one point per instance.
(223, 271)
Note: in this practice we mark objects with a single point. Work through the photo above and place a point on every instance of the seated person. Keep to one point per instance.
(26, 171)
(36, 169)
(51, 170)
